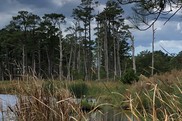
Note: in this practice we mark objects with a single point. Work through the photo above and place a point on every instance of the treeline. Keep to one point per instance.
(34, 45)
(163, 62)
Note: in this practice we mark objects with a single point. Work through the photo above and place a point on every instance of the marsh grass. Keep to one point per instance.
(46, 103)
(158, 98)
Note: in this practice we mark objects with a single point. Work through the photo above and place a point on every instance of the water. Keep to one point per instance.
(110, 114)
(5, 102)
(105, 114)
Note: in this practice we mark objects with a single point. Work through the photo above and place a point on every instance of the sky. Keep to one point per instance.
(168, 36)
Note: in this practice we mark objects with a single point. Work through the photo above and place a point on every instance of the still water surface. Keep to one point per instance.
(5, 102)
(110, 114)
(106, 114)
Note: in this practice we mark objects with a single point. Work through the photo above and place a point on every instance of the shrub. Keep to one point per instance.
(78, 89)
(129, 76)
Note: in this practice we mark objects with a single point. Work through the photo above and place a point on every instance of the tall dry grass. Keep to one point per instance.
(46, 103)
(158, 98)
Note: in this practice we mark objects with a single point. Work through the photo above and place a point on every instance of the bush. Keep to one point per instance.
(78, 89)
(129, 76)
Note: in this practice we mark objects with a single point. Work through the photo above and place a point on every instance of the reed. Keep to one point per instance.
(40, 103)
(158, 98)
(155, 99)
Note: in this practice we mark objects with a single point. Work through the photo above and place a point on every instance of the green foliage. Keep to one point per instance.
(78, 89)
(129, 76)
(77, 75)
(163, 62)
(48, 87)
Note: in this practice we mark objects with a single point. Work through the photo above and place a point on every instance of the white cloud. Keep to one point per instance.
(4, 19)
(140, 48)
(60, 3)
(173, 8)
(178, 26)
(100, 8)
(171, 46)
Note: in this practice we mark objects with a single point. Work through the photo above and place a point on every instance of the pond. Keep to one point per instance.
(5, 102)
(105, 114)
(109, 114)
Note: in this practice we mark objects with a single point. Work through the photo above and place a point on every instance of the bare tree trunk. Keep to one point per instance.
(115, 68)
(49, 63)
(133, 53)
(75, 50)
(85, 66)
(23, 63)
(98, 61)
(61, 56)
(79, 51)
(39, 61)
(78, 60)
(75, 54)
(153, 39)
(85, 53)
(98, 54)
(118, 58)
(69, 64)
(33, 65)
(106, 52)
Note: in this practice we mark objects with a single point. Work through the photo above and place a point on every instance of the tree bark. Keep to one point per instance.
(61, 56)
(49, 63)
(98, 54)
(39, 61)
(79, 52)
(153, 39)
(133, 53)
(69, 64)
(106, 52)
(118, 58)
(115, 68)
(85, 54)
(23, 62)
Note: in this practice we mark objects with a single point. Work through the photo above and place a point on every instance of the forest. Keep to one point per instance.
(35, 46)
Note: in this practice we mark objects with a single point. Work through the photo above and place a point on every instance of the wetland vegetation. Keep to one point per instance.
(155, 98)
(60, 73)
